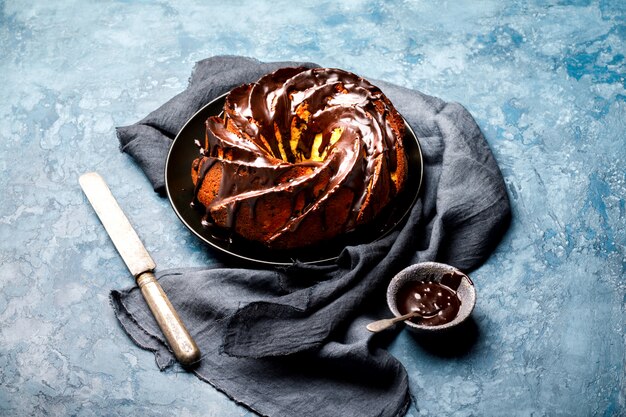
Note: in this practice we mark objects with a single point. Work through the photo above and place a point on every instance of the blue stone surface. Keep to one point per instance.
(545, 81)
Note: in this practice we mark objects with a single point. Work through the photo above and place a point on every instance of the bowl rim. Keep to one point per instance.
(408, 274)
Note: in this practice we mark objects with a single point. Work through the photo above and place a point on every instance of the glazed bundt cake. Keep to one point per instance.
(299, 157)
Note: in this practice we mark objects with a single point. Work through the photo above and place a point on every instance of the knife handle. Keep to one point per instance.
(179, 339)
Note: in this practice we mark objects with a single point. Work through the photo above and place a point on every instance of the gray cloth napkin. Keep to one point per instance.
(292, 341)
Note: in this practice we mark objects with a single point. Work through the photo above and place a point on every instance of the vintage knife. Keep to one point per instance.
(140, 265)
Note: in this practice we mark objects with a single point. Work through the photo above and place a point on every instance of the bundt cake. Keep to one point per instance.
(299, 157)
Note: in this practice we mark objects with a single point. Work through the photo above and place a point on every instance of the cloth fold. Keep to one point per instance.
(292, 341)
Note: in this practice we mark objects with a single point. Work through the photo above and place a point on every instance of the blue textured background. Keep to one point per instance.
(545, 81)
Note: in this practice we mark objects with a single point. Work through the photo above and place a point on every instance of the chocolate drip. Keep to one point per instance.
(201, 166)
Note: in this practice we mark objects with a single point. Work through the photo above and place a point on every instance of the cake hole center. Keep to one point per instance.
(316, 150)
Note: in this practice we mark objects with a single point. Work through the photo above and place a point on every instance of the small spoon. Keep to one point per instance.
(383, 324)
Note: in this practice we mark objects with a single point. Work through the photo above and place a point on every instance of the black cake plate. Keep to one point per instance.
(180, 191)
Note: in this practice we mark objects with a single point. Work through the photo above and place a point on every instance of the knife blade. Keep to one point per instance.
(141, 266)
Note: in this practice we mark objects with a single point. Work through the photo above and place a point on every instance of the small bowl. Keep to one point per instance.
(433, 272)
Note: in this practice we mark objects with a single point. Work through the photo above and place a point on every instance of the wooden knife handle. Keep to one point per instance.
(179, 339)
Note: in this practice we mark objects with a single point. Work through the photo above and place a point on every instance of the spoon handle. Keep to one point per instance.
(383, 324)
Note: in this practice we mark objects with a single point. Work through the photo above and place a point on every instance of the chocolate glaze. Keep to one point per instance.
(426, 297)
(257, 159)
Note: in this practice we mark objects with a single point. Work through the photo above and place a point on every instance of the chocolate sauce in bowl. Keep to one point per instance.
(427, 297)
